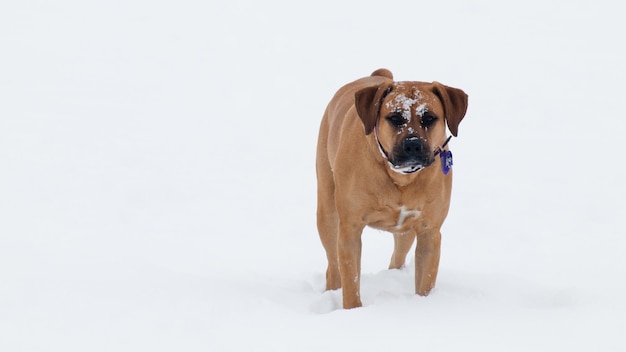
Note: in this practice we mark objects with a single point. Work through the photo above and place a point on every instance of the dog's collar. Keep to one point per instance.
(380, 146)
(439, 150)
(445, 155)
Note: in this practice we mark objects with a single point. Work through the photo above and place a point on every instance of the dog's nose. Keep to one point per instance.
(413, 146)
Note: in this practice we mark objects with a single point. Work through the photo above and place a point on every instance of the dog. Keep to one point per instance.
(382, 162)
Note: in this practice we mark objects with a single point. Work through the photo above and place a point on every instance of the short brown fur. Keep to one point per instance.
(358, 186)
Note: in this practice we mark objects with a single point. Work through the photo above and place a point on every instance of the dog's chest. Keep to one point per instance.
(396, 219)
(406, 216)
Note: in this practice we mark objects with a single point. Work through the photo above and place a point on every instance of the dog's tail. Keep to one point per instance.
(383, 72)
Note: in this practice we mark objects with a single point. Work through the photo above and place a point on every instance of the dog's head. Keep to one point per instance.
(409, 120)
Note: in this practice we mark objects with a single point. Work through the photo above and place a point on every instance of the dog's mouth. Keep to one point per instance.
(410, 156)
(409, 167)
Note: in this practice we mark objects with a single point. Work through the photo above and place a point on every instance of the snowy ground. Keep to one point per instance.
(157, 187)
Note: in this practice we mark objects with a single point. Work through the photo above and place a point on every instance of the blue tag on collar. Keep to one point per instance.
(446, 161)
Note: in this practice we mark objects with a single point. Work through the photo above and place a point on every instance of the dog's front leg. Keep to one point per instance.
(427, 261)
(349, 249)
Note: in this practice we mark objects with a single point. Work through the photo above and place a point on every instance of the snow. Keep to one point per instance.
(407, 103)
(420, 110)
(158, 191)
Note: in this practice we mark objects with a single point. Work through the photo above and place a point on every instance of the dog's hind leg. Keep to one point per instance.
(402, 243)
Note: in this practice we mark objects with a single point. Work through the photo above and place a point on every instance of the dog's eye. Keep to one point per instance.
(428, 120)
(396, 120)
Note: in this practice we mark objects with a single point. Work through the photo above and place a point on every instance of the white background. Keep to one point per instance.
(157, 182)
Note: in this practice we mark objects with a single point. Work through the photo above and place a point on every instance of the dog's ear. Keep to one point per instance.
(454, 103)
(367, 102)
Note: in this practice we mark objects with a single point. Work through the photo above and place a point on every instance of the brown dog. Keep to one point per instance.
(377, 166)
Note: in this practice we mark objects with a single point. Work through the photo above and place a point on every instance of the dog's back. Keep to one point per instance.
(338, 108)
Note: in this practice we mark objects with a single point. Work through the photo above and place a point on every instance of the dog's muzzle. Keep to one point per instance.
(410, 156)
(406, 169)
